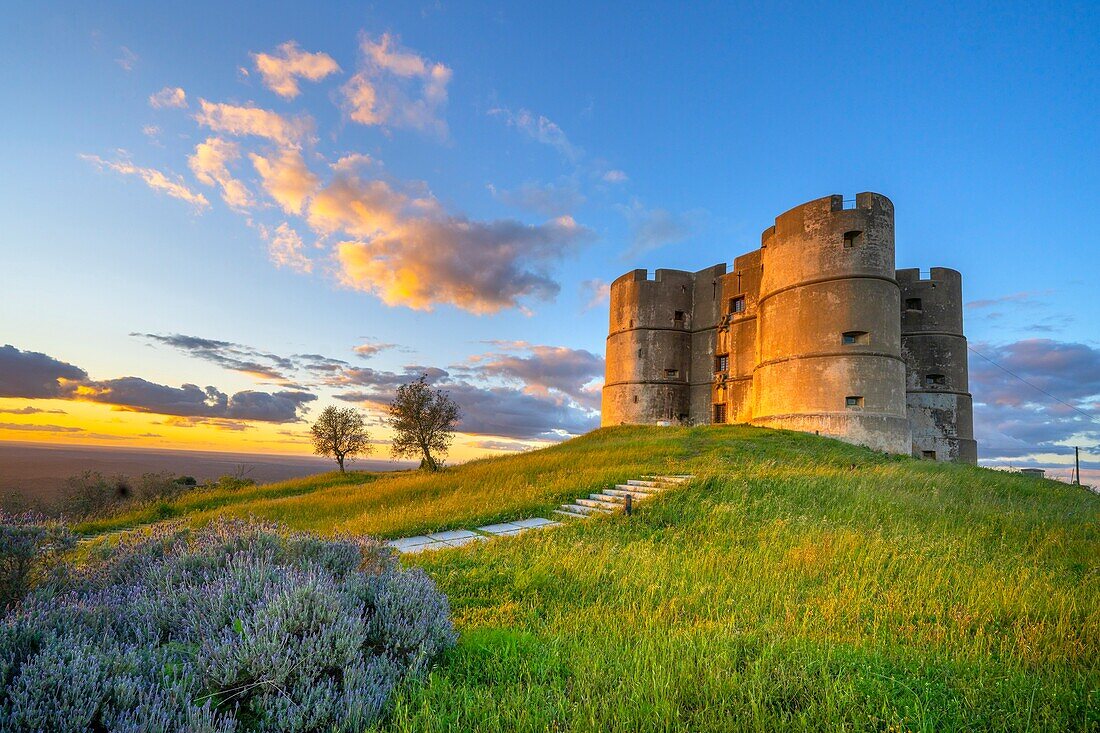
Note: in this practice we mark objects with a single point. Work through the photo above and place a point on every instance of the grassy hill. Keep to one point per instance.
(798, 583)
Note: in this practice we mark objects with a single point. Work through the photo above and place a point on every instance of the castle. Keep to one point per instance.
(815, 331)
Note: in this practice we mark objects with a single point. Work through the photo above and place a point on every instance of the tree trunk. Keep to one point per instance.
(340, 460)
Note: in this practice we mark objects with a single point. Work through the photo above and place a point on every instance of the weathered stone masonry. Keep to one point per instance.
(814, 331)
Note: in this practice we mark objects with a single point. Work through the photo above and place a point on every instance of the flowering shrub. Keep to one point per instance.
(30, 544)
(238, 626)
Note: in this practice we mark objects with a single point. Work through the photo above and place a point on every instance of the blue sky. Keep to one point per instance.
(573, 142)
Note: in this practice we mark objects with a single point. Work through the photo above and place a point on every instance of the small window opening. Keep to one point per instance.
(855, 337)
(720, 413)
(672, 373)
(632, 323)
(852, 239)
(722, 363)
(639, 353)
(913, 304)
(678, 316)
(928, 455)
(935, 380)
(737, 305)
(635, 399)
(853, 402)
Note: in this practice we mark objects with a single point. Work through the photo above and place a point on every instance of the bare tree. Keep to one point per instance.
(423, 421)
(340, 433)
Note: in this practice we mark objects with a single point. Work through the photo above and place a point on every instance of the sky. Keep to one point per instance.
(219, 220)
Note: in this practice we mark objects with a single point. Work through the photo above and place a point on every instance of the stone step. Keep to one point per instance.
(607, 502)
(678, 478)
(581, 509)
(570, 515)
(607, 496)
(596, 504)
(654, 484)
(637, 489)
(621, 495)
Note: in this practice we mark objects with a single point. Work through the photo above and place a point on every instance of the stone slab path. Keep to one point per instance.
(608, 501)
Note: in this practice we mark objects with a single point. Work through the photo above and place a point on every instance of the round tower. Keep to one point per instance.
(648, 349)
(828, 337)
(941, 410)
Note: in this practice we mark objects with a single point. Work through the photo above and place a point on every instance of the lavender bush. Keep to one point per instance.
(235, 627)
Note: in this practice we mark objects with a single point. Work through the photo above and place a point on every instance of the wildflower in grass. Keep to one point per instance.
(238, 626)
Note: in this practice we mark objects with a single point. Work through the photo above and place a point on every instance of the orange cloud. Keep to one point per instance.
(168, 97)
(154, 179)
(210, 164)
(286, 178)
(398, 88)
(281, 71)
(241, 121)
(284, 247)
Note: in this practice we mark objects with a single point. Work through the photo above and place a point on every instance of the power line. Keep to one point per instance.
(1033, 386)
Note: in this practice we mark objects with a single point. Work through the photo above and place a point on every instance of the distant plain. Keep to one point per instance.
(40, 471)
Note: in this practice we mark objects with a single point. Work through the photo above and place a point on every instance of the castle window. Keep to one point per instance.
(852, 239)
(853, 402)
(722, 363)
(678, 316)
(737, 305)
(672, 373)
(855, 337)
(720, 413)
(928, 455)
(913, 304)
(635, 399)
(935, 380)
(639, 353)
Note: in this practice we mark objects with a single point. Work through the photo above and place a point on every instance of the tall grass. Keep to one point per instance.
(798, 583)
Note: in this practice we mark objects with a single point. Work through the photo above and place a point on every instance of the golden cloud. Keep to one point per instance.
(281, 70)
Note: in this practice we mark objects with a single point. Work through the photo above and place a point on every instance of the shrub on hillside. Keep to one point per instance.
(235, 627)
(231, 482)
(30, 545)
(91, 492)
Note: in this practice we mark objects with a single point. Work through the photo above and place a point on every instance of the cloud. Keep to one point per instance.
(544, 370)
(595, 293)
(28, 410)
(480, 267)
(34, 375)
(243, 121)
(652, 229)
(215, 422)
(285, 248)
(210, 164)
(39, 428)
(371, 349)
(395, 87)
(1021, 297)
(226, 354)
(1013, 419)
(615, 176)
(127, 59)
(505, 445)
(541, 129)
(280, 71)
(286, 178)
(135, 394)
(154, 179)
(173, 97)
(548, 199)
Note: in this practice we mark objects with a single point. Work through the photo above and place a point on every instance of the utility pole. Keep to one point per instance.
(1077, 463)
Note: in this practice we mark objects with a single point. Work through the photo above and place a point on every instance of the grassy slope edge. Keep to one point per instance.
(798, 583)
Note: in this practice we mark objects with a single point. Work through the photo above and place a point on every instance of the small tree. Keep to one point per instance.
(423, 421)
(340, 433)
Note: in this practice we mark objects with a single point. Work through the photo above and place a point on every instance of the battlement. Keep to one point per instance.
(815, 330)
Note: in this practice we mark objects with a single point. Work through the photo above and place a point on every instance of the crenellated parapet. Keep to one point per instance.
(812, 331)
(938, 399)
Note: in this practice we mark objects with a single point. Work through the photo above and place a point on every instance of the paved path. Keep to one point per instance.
(608, 501)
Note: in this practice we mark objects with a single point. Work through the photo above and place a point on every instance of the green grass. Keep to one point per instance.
(799, 583)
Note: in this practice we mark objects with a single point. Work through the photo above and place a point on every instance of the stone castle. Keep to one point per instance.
(815, 331)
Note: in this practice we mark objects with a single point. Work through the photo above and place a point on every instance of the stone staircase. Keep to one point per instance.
(613, 500)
